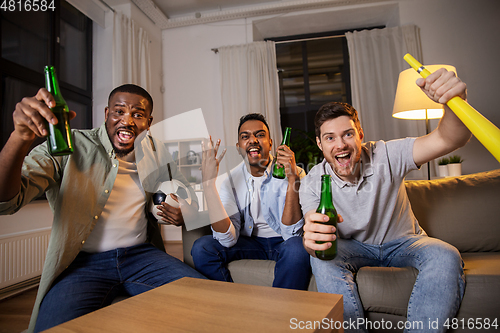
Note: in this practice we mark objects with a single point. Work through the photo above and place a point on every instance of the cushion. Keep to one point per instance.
(463, 211)
(386, 289)
(258, 273)
(482, 291)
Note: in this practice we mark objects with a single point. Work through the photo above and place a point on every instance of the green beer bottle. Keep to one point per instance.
(60, 140)
(279, 170)
(326, 207)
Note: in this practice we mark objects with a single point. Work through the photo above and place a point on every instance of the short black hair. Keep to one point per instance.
(132, 89)
(334, 110)
(253, 116)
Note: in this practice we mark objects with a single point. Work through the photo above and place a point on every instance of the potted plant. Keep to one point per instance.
(307, 153)
(443, 166)
(455, 166)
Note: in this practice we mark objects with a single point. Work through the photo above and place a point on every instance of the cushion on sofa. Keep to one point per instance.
(482, 291)
(462, 211)
(258, 272)
(386, 289)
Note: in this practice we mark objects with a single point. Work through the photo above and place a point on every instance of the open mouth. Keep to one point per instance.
(253, 151)
(344, 159)
(125, 136)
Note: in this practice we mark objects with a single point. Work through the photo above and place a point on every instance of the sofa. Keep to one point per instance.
(463, 211)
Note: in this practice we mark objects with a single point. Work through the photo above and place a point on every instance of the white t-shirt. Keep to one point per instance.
(123, 221)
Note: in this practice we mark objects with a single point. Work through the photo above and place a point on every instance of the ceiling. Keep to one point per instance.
(178, 8)
(176, 13)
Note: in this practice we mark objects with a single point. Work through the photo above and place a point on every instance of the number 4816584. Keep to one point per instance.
(27, 5)
(471, 323)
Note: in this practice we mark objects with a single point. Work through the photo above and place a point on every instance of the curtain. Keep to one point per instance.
(376, 59)
(131, 59)
(249, 80)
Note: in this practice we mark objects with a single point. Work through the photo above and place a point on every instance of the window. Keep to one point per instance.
(313, 70)
(30, 41)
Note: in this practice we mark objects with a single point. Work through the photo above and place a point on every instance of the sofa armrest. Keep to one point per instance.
(189, 237)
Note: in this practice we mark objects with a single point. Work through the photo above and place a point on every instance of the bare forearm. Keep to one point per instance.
(292, 212)
(11, 162)
(453, 130)
(450, 134)
(216, 212)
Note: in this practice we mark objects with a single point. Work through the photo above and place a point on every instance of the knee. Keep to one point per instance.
(444, 256)
(204, 247)
(294, 249)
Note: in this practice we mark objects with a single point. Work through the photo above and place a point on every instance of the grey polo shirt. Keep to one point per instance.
(376, 210)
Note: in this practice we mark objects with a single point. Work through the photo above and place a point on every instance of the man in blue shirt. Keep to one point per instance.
(255, 216)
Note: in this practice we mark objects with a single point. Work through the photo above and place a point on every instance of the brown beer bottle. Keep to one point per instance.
(60, 139)
(326, 207)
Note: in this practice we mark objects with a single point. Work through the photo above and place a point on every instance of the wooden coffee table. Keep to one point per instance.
(194, 305)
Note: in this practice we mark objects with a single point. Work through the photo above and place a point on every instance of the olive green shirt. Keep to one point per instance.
(77, 187)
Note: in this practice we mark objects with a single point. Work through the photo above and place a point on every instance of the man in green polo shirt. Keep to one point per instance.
(103, 241)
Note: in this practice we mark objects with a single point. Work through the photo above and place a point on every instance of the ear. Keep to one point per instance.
(106, 113)
(361, 134)
(150, 120)
(318, 142)
(239, 150)
(270, 143)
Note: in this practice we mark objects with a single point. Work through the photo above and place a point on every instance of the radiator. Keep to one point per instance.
(22, 256)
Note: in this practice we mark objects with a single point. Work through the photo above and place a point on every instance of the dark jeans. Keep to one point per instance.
(93, 280)
(292, 270)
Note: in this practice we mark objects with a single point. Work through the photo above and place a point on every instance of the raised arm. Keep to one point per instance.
(451, 133)
(292, 212)
(29, 122)
(210, 168)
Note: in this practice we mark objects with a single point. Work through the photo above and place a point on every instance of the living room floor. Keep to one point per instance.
(15, 312)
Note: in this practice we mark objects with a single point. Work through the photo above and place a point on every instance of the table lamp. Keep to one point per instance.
(412, 103)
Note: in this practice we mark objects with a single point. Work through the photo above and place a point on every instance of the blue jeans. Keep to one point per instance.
(93, 280)
(438, 289)
(292, 270)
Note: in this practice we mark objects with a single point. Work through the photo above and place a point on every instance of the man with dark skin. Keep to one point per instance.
(103, 241)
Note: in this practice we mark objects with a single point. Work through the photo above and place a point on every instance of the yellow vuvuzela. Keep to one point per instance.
(484, 130)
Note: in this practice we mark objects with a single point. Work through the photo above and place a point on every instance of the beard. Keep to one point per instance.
(119, 152)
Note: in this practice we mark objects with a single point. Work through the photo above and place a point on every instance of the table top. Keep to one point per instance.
(195, 305)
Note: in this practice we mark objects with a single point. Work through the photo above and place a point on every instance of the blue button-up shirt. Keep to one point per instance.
(236, 194)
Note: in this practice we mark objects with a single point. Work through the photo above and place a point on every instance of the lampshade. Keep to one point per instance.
(411, 102)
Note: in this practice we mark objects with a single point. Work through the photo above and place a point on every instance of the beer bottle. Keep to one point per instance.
(326, 207)
(60, 140)
(279, 170)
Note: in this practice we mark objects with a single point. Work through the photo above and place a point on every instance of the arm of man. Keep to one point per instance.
(451, 133)
(210, 168)
(29, 122)
(292, 212)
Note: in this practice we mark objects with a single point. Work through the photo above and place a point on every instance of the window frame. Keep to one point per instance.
(27, 75)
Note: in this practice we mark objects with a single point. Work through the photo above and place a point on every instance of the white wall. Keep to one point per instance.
(462, 33)
(102, 62)
(192, 70)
